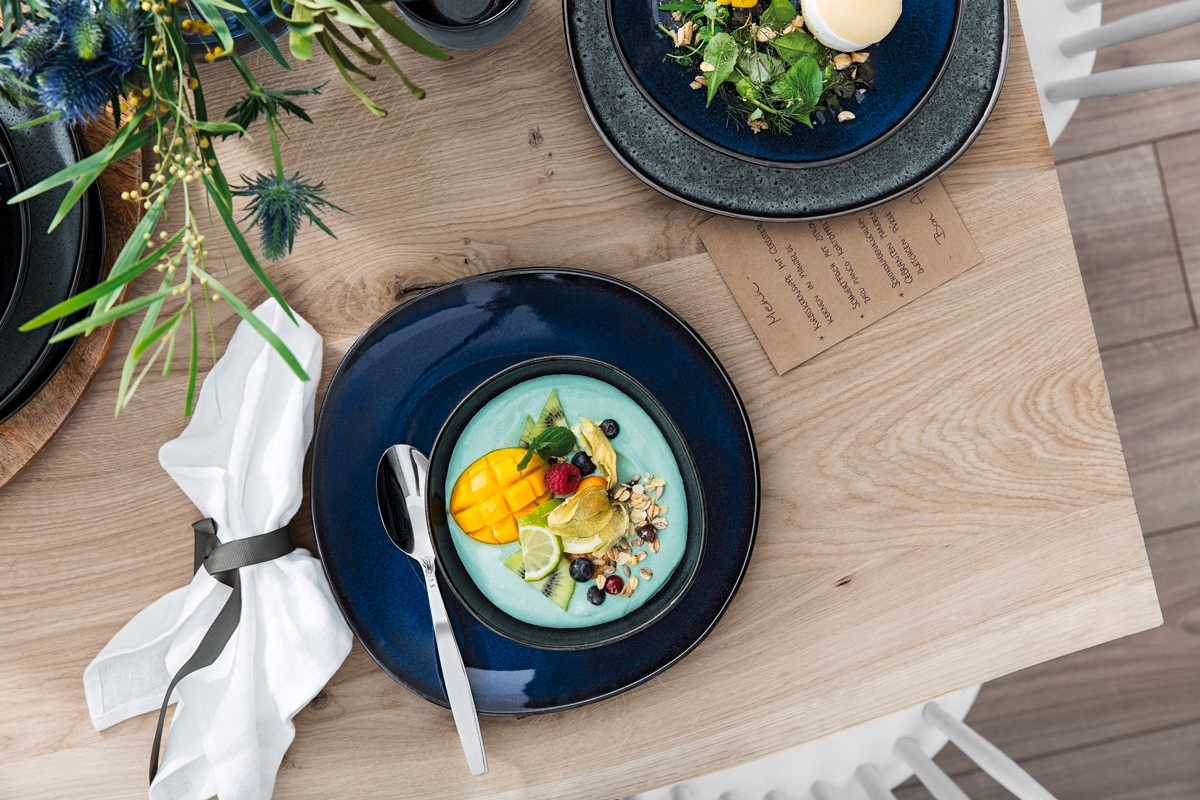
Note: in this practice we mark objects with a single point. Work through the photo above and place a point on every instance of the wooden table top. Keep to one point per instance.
(944, 495)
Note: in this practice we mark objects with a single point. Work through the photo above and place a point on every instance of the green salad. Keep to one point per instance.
(769, 71)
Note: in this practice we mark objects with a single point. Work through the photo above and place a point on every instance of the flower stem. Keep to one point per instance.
(275, 149)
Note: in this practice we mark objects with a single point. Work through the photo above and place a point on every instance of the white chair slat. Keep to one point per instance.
(869, 778)
(939, 784)
(1135, 26)
(990, 758)
(1127, 80)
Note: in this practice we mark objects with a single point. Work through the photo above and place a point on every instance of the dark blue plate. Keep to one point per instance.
(659, 153)
(399, 383)
(910, 62)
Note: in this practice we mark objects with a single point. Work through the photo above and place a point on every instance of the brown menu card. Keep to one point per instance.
(805, 286)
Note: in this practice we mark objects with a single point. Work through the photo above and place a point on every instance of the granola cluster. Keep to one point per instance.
(646, 521)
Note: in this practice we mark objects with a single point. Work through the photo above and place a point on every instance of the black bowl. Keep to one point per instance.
(14, 230)
(460, 581)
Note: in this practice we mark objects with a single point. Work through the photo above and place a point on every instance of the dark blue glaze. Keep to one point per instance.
(400, 382)
(910, 62)
(460, 581)
(659, 153)
(243, 40)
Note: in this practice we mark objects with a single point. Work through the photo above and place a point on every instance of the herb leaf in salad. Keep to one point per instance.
(769, 71)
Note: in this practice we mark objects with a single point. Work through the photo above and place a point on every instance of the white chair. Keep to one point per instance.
(1063, 37)
(866, 762)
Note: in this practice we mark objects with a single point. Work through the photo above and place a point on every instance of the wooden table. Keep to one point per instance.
(944, 495)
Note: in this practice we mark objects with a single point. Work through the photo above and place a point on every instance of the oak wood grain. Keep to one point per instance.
(1109, 123)
(27, 432)
(958, 461)
(1125, 245)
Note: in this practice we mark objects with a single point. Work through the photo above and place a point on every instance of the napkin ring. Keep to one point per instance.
(222, 562)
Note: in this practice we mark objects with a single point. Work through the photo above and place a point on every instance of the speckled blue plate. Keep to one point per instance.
(910, 62)
(658, 151)
(398, 384)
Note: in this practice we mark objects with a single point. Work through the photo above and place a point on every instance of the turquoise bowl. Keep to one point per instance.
(459, 580)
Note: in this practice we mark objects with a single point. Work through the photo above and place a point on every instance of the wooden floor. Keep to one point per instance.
(1122, 721)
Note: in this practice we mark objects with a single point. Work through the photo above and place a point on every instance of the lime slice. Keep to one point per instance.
(541, 551)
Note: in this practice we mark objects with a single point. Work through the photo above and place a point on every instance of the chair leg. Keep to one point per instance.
(990, 758)
(1128, 80)
(939, 784)
(1135, 26)
(868, 776)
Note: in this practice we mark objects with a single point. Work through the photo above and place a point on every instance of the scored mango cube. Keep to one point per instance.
(492, 493)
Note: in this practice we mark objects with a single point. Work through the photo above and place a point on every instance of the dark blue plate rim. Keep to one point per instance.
(901, 189)
(768, 162)
(745, 418)
(9, 153)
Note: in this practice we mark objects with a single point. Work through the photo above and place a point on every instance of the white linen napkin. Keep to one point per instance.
(240, 461)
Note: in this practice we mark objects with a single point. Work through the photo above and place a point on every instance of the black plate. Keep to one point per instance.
(55, 259)
(89, 276)
(674, 163)
(14, 230)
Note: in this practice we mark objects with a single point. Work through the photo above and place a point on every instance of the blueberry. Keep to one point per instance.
(583, 464)
(595, 596)
(610, 428)
(582, 570)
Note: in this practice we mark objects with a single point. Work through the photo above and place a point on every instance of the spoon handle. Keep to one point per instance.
(454, 675)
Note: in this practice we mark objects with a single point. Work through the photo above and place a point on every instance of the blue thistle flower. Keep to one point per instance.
(278, 205)
(75, 88)
(78, 55)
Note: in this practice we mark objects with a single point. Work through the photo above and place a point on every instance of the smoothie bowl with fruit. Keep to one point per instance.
(565, 506)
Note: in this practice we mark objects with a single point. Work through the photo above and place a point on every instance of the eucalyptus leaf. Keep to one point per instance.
(721, 52)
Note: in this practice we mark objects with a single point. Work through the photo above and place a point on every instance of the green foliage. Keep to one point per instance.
(164, 108)
(768, 78)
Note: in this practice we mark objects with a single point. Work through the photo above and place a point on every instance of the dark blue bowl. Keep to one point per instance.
(910, 62)
(464, 587)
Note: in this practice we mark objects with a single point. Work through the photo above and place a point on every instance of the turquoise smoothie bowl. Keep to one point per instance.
(490, 418)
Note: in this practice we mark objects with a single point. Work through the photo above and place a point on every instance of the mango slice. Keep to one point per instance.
(491, 493)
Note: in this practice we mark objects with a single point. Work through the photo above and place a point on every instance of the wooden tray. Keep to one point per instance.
(27, 432)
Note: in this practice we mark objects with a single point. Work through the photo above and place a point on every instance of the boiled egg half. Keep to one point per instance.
(850, 25)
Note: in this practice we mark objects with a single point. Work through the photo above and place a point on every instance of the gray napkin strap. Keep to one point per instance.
(222, 561)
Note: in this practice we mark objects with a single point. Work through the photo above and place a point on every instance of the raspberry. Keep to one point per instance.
(563, 478)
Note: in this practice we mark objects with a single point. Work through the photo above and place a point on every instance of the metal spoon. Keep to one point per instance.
(400, 492)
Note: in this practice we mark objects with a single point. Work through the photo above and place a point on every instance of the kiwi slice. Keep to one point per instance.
(558, 585)
(527, 433)
(551, 414)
